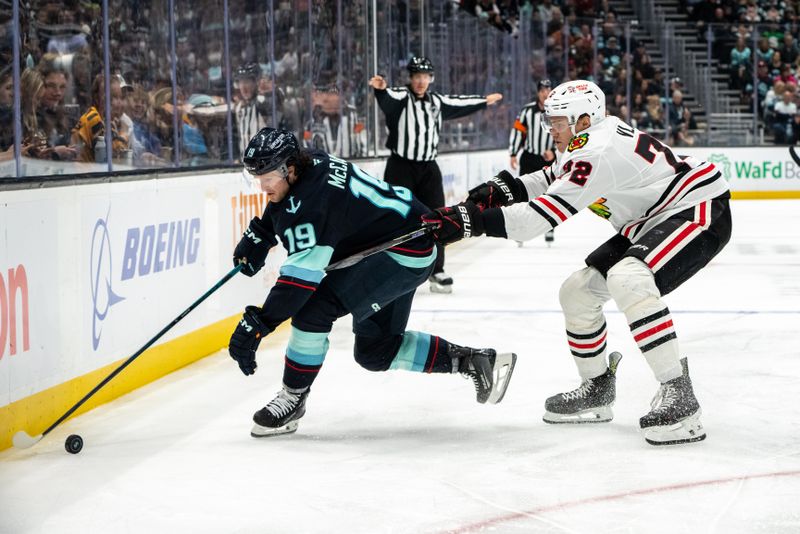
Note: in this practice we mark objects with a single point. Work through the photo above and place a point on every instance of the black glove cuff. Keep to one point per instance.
(522, 191)
(514, 186)
(253, 316)
(263, 230)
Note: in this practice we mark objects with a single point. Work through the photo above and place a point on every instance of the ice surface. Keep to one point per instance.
(403, 452)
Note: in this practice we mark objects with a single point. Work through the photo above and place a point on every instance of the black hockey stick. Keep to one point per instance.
(357, 257)
(23, 440)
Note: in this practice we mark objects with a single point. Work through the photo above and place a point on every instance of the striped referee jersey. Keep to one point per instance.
(527, 132)
(414, 123)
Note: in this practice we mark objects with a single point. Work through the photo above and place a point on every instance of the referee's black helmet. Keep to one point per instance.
(419, 64)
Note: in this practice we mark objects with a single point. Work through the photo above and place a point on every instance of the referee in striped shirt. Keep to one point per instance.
(414, 117)
(528, 136)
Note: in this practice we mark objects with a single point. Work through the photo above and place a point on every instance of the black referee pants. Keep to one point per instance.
(424, 179)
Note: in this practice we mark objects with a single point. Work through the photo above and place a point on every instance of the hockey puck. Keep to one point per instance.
(74, 444)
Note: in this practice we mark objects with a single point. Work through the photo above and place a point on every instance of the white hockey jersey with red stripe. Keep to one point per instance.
(622, 174)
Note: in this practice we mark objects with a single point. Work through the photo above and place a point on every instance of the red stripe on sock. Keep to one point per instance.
(654, 330)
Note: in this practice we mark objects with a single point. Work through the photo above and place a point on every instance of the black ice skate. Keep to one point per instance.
(441, 283)
(675, 414)
(590, 403)
(490, 372)
(281, 414)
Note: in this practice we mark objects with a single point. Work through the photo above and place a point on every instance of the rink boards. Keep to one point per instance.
(89, 272)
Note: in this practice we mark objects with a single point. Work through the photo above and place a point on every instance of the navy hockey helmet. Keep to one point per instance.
(268, 150)
(248, 71)
(419, 64)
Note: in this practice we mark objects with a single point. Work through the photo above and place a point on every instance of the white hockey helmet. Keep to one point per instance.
(573, 100)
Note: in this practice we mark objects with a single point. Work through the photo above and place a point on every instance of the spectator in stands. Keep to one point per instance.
(740, 56)
(34, 140)
(764, 52)
(192, 143)
(786, 75)
(652, 118)
(764, 82)
(675, 108)
(91, 124)
(789, 50)
(773, 95)
(6, 112)
(783, 125)
(774, 66)
(52, 117)
(145, 143)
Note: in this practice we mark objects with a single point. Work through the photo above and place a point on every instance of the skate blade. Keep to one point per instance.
(439, 288)
(603, 414)
(503, 368)
(688, 430)
(259, 431)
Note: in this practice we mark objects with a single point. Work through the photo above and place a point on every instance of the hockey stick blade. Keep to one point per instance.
(357, 257)
(22, 440)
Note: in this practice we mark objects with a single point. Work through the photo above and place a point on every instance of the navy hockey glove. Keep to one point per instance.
(454, 223)
(245, 340)
(502, 190)
(252, 249)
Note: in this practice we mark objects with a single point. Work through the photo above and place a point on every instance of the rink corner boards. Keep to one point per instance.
(35, 412)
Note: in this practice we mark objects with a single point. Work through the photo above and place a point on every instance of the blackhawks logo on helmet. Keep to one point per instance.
(579, 141)
(600, 209)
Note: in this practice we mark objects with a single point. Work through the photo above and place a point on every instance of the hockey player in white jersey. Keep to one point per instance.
(672, 217)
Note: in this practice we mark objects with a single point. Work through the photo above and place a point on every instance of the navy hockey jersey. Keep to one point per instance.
(334, 210)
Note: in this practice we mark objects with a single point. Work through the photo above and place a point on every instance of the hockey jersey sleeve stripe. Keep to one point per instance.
(548, 204)
(543, 213)
(519, 126)
(563, 203)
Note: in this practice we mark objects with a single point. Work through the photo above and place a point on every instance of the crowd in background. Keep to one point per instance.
(756, 44)
(303, 65)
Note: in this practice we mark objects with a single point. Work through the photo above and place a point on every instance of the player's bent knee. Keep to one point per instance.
(577, 294)
(630, 281)
(376, 354)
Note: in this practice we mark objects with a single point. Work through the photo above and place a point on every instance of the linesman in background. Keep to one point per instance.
(528, 136)
(414, 118)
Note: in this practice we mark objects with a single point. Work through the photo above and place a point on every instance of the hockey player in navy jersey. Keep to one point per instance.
(325, 209)
(672, 217)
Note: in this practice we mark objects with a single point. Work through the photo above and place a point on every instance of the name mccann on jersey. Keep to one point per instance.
(338, 174)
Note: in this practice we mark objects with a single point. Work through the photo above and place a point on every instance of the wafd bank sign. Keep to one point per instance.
(754, 169)
(138, 257)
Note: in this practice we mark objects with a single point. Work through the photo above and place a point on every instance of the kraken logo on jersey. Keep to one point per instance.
(579, 141)
(600, 209)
